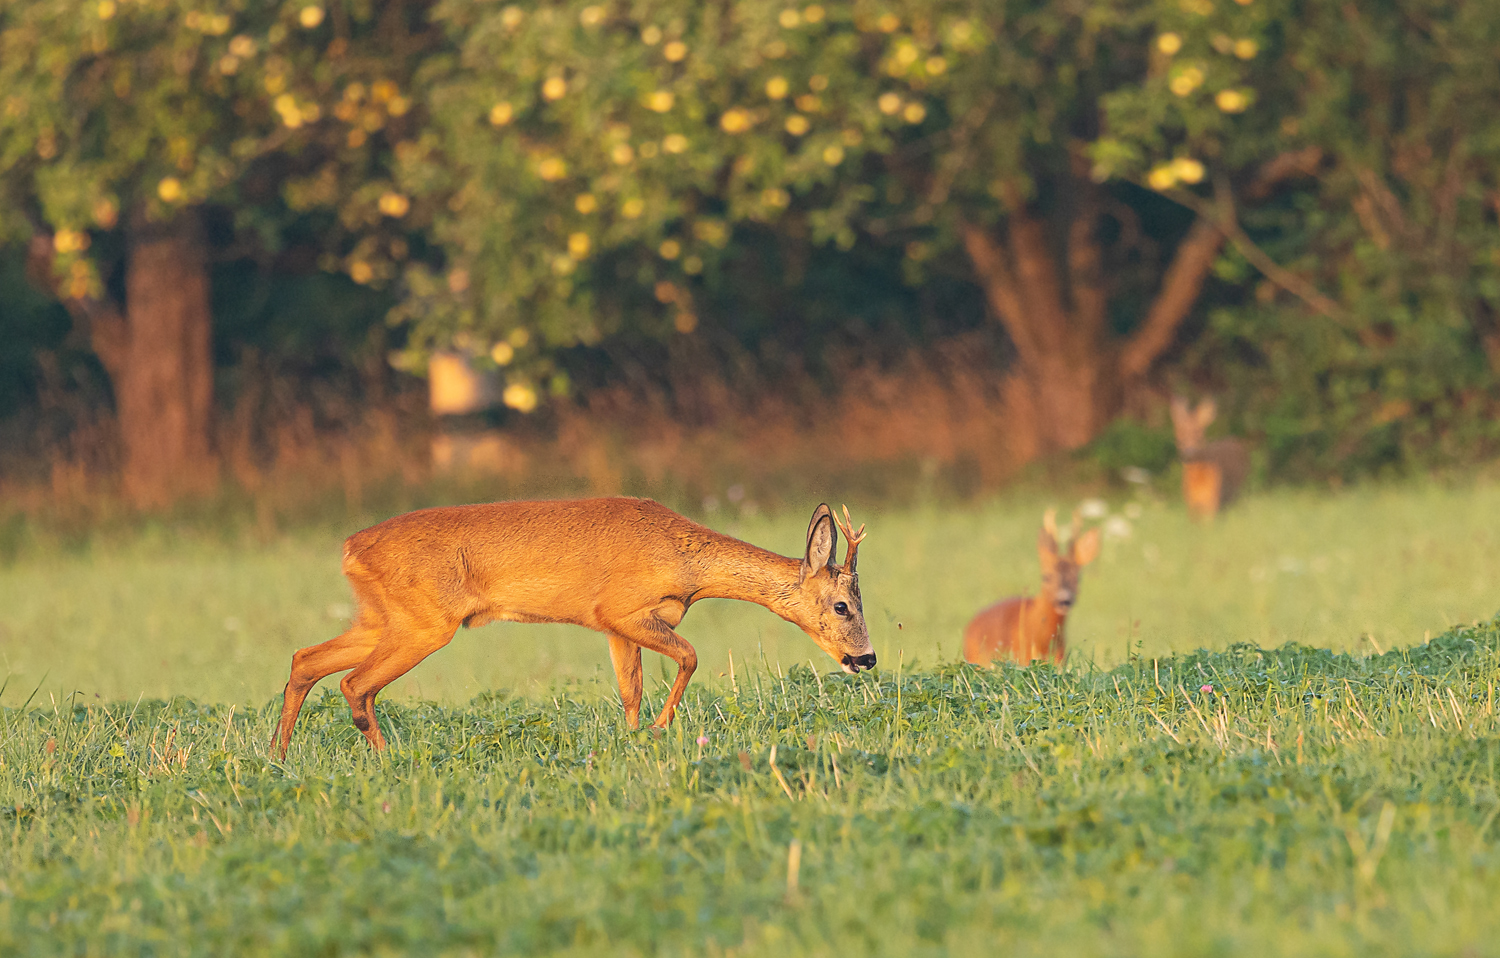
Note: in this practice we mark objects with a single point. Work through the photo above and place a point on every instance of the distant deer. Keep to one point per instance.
(626, 567)
(1212, 472)
(1023, 628)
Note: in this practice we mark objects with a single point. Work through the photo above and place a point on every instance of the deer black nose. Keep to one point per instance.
(865, 661)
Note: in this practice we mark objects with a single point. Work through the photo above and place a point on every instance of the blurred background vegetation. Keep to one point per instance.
(737, 249)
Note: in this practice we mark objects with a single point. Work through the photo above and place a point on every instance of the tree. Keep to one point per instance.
(122, 123)
(577, 144)
(1383, 338)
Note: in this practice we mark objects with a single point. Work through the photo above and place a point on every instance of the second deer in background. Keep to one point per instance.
(1024, 628)
(1212, 472)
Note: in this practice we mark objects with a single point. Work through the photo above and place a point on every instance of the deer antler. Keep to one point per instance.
(846, 525)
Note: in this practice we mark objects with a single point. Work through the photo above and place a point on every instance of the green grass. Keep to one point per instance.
(1308, 802)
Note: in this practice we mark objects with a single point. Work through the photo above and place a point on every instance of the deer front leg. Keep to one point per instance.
(652, 633)
(626, 656)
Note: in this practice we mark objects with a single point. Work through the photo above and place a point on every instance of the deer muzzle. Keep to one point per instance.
(854, 664)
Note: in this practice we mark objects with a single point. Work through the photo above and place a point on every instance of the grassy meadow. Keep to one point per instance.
(1335, 796)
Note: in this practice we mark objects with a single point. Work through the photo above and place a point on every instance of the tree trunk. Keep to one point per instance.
(158, 357)
(1071, 375)
(164, 387)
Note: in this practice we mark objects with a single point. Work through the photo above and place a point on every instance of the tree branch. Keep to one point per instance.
(108, 333)
(1180, 287)
(999, 283)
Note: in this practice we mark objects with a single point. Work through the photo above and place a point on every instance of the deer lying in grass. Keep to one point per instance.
(626, 567)
(1212, 472)
(1023, 628)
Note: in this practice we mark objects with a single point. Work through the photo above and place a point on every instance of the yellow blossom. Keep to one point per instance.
(1187, 81)
(591, 16)
(889, 103)
(797, 124)
(107, 9)
(936, 66)
(674, 51)
(651, 36)
(1162, 178)
(511, 17)
(310, 16)
(735, 121)
(578, 245)
(585, 203)
(790, 18)
(519, 396)
(1169, 43)
(552, 168)
(622, 154)
(888, 23)
(502, 353)
(242, 46)
(1232, 101)
(833, 155)
(670, 249)
(817, 82)
(394, 204)
(775, 196)
(813, 14)
(914, 113)
(1187, 169)
(501, 114)
(361, 272)
(661, 101)
(675, 143)
(1246, 49)
(808, 103)
(170, 189)
(633, 208)
(776, 87)
(554, 88)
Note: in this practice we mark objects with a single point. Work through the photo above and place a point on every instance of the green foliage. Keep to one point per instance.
(1291, 801)
(1394, 221)
(120, 113)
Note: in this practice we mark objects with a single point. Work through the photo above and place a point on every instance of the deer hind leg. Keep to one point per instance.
(313, 664)
(399, 650)
(652, 633)
(626, 656)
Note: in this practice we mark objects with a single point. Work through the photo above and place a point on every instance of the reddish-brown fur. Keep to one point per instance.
(629, 568)
(1212, 472)
(1024, 629)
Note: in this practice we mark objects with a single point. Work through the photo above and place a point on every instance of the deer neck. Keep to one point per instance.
(731, 569)
(1043, 622)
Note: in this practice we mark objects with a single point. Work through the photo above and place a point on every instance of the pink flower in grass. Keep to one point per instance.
(1207, 688)
(703, 740)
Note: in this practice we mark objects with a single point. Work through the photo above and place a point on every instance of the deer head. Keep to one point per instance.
(827, 599)
(1190, 422)
(1060, 568)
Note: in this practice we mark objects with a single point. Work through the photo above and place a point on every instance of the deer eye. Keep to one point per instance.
(841, 608)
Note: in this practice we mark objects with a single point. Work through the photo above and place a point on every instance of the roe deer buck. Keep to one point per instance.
(1025, 628)
(626, 567)
(1212, 472)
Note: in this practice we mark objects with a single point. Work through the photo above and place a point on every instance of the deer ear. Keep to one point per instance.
(1085, 548)
(822, 541)
(1046, 548)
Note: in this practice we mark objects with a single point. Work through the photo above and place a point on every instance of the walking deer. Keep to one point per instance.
(1212, 472)
(1023, 628)
(629, 568)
